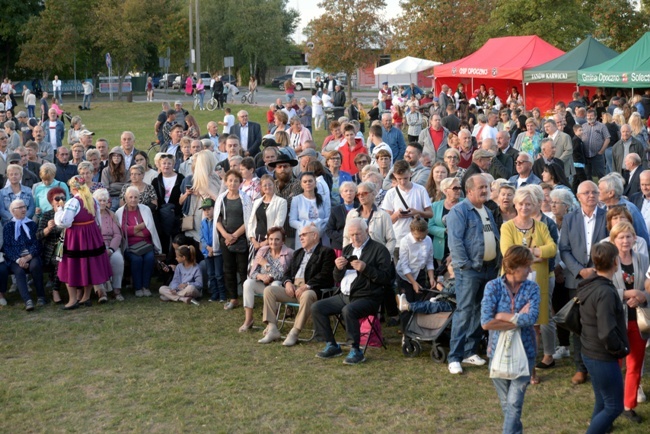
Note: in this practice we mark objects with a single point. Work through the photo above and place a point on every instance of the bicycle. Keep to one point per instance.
(154, 148)
(247, 98)
(197, 104)
(212, 104)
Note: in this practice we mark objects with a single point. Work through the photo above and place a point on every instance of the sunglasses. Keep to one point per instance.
(170, 156)
(519, 163)
(456, 188)
(59, 198)
(362, 194)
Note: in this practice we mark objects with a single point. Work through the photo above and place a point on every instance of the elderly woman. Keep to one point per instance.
(269, 265)
(168, 189)
(452, 158)
(524, 230)
(554, 176)
(333, 161)
(308, 207)
(512, 302)
(114, 176)
(87, 172)
(380, 226)
(268, 211)
(451, 189)
(232, 210)
(332, 142)
(337, 218)
(506, 208)
(629, 280)
(384, 162)
(414, 120)
(280, 120)
(40, 190)
(304, 112)
(141, 240)
(438, 172)
(15, 190)
(22, 252)
(530, 140)
(84, 263)
(112, 240)
(298, 134)
(619, 214)
(148, 195)
(48, 234)
(94, 157)
(142, 159)
(377, 181)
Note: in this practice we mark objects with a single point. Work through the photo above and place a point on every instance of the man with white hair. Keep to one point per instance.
(563, 146)
(611, 194)
(623, 147)
(362, 271)
(524, 168)
(501, 164)
(54, 130)
(212, 134)
(127, 143)
(632, 174)
(392, 137)
(249, 133)
(642, 199)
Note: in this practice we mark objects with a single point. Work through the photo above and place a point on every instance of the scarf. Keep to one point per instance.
(18, 224)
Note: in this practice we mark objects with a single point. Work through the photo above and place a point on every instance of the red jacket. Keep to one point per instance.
(347, 163)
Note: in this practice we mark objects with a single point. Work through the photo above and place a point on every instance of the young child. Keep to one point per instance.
(213, 261)
(435, 304)
(228, 120)
(187, 282)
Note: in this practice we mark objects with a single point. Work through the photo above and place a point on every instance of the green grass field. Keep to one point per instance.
(148, 366)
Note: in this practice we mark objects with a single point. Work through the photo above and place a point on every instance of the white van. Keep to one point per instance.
(305, 78)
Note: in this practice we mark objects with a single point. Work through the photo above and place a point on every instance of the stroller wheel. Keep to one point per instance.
(438, 354)
(411, 348)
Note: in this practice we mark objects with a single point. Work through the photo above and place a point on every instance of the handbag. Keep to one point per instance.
(510, 360)
(140, 248)
(643, 319)
(187, 222)
(569, 316)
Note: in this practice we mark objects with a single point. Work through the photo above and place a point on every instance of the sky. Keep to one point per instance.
(309, 10)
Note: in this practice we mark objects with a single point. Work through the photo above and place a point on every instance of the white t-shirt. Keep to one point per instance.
(56, 85)
(489, 239)
(169, 185)
(229, 120)
(52, 131)
(316, 106)
(416, 198)
(327, 100)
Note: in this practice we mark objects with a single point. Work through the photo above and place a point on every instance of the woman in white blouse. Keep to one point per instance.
(268, 211)
(308, 207)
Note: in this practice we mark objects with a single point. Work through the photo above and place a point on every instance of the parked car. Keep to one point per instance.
(206, 78)
(229, 79)
(305, 78)
(167, 80)
(279, 81)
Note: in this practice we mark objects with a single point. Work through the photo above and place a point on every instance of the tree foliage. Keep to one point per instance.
(562, 24)
(16, 15)
(454, 33)
(617, 23)
(350, 34)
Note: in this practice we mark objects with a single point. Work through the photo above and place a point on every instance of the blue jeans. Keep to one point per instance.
(511, 395)
(609, 158)
(59, 96)
(31, 112)
(141, 268)
(201, 96)
(36, 270)
(216, 283)
(607, 382)
(466, 328)
(430, 307)
(86, 102)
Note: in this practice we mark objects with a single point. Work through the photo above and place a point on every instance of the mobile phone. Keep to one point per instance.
(404, 212)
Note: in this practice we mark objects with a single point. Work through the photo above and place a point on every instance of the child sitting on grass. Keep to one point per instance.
(187, 282)
(436, 304)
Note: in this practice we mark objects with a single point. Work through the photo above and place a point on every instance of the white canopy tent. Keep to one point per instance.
(402, 70)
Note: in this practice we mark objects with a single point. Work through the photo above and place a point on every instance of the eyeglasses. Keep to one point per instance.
(20, 207)
(554, 203)
(451, 157)
(304, 234)
(590, 193)
(519, 163)
(59, 199)
(335, 158)
(363, 193)
(456, 188)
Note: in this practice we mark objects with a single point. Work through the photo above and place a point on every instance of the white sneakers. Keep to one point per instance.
(402, 304)
(561, 353)
(475, 359)
(640, 396)
(455, 368)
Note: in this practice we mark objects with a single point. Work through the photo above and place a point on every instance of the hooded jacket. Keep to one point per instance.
(604, 333)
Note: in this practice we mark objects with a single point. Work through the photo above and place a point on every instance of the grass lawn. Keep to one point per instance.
(148, 366)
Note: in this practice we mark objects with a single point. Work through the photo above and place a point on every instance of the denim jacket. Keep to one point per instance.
(465, 236)
(7, 196)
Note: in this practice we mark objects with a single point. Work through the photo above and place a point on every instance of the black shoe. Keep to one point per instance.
(331, 350)
(81, 108)
(542, 365)
(74, 306)
(86, 303)
(632, 416)
(393, 322)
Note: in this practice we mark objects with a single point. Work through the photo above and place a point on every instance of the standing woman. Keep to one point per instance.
(525, 231)
(438, 223)
(142, 159)
(510, 302)
(41, 189)
(251, 183)
(140, 240)
(114, 176)
(252, 88)
(200, 91)
(168, 190)
(193, 129)
(84, 262)
(75, 129)
(308, 207)
(414, 120)
(530, 140)
(267, 212)
(438, 172)
(149, 89)
(48, 234)
(87, 172)
(148, 195)
(603, 337)
(232, 210)
(333, 161)
(452, 158)
(289, 89)
(629, 280)
(206, 184)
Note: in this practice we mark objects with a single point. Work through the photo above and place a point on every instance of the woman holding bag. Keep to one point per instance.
(629, 280)
(512, 302)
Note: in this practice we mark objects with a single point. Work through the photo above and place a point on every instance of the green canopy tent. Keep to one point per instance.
(630, 69)
(565, 68)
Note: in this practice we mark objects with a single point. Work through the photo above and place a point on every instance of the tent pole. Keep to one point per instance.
(523, 87)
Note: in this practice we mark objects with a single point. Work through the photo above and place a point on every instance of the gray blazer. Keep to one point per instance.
(564, 151)
(573, 245)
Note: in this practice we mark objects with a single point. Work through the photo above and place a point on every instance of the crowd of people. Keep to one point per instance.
(521, 212)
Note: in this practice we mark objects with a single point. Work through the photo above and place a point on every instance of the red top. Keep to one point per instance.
(436, 137)
(130, 220)
(347, 162)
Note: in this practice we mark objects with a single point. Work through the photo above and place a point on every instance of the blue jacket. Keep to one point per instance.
(532, 179)
(206, 236)
(13, 248)
(60, 132)
(465, 236)
(637, 220)
(7, 196)
(395, 139)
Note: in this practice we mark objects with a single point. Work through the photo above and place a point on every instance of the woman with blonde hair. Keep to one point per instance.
(639, 130)
(206, 184)
(84, 262)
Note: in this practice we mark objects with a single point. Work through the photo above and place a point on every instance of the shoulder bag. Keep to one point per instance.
(569, 316)
(643, 319)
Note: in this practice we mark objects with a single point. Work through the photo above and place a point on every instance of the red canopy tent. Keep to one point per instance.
(500, 63)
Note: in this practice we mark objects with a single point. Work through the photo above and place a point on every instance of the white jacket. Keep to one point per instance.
(276, 214)
(147, 217)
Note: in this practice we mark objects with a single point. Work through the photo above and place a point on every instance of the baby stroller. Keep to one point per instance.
(428, 328)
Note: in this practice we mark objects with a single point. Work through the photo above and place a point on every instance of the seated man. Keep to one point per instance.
(309, 273)
(22, 252)
(362, 271)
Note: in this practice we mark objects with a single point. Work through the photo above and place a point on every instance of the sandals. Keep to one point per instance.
(534, 379)
(245, 327)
